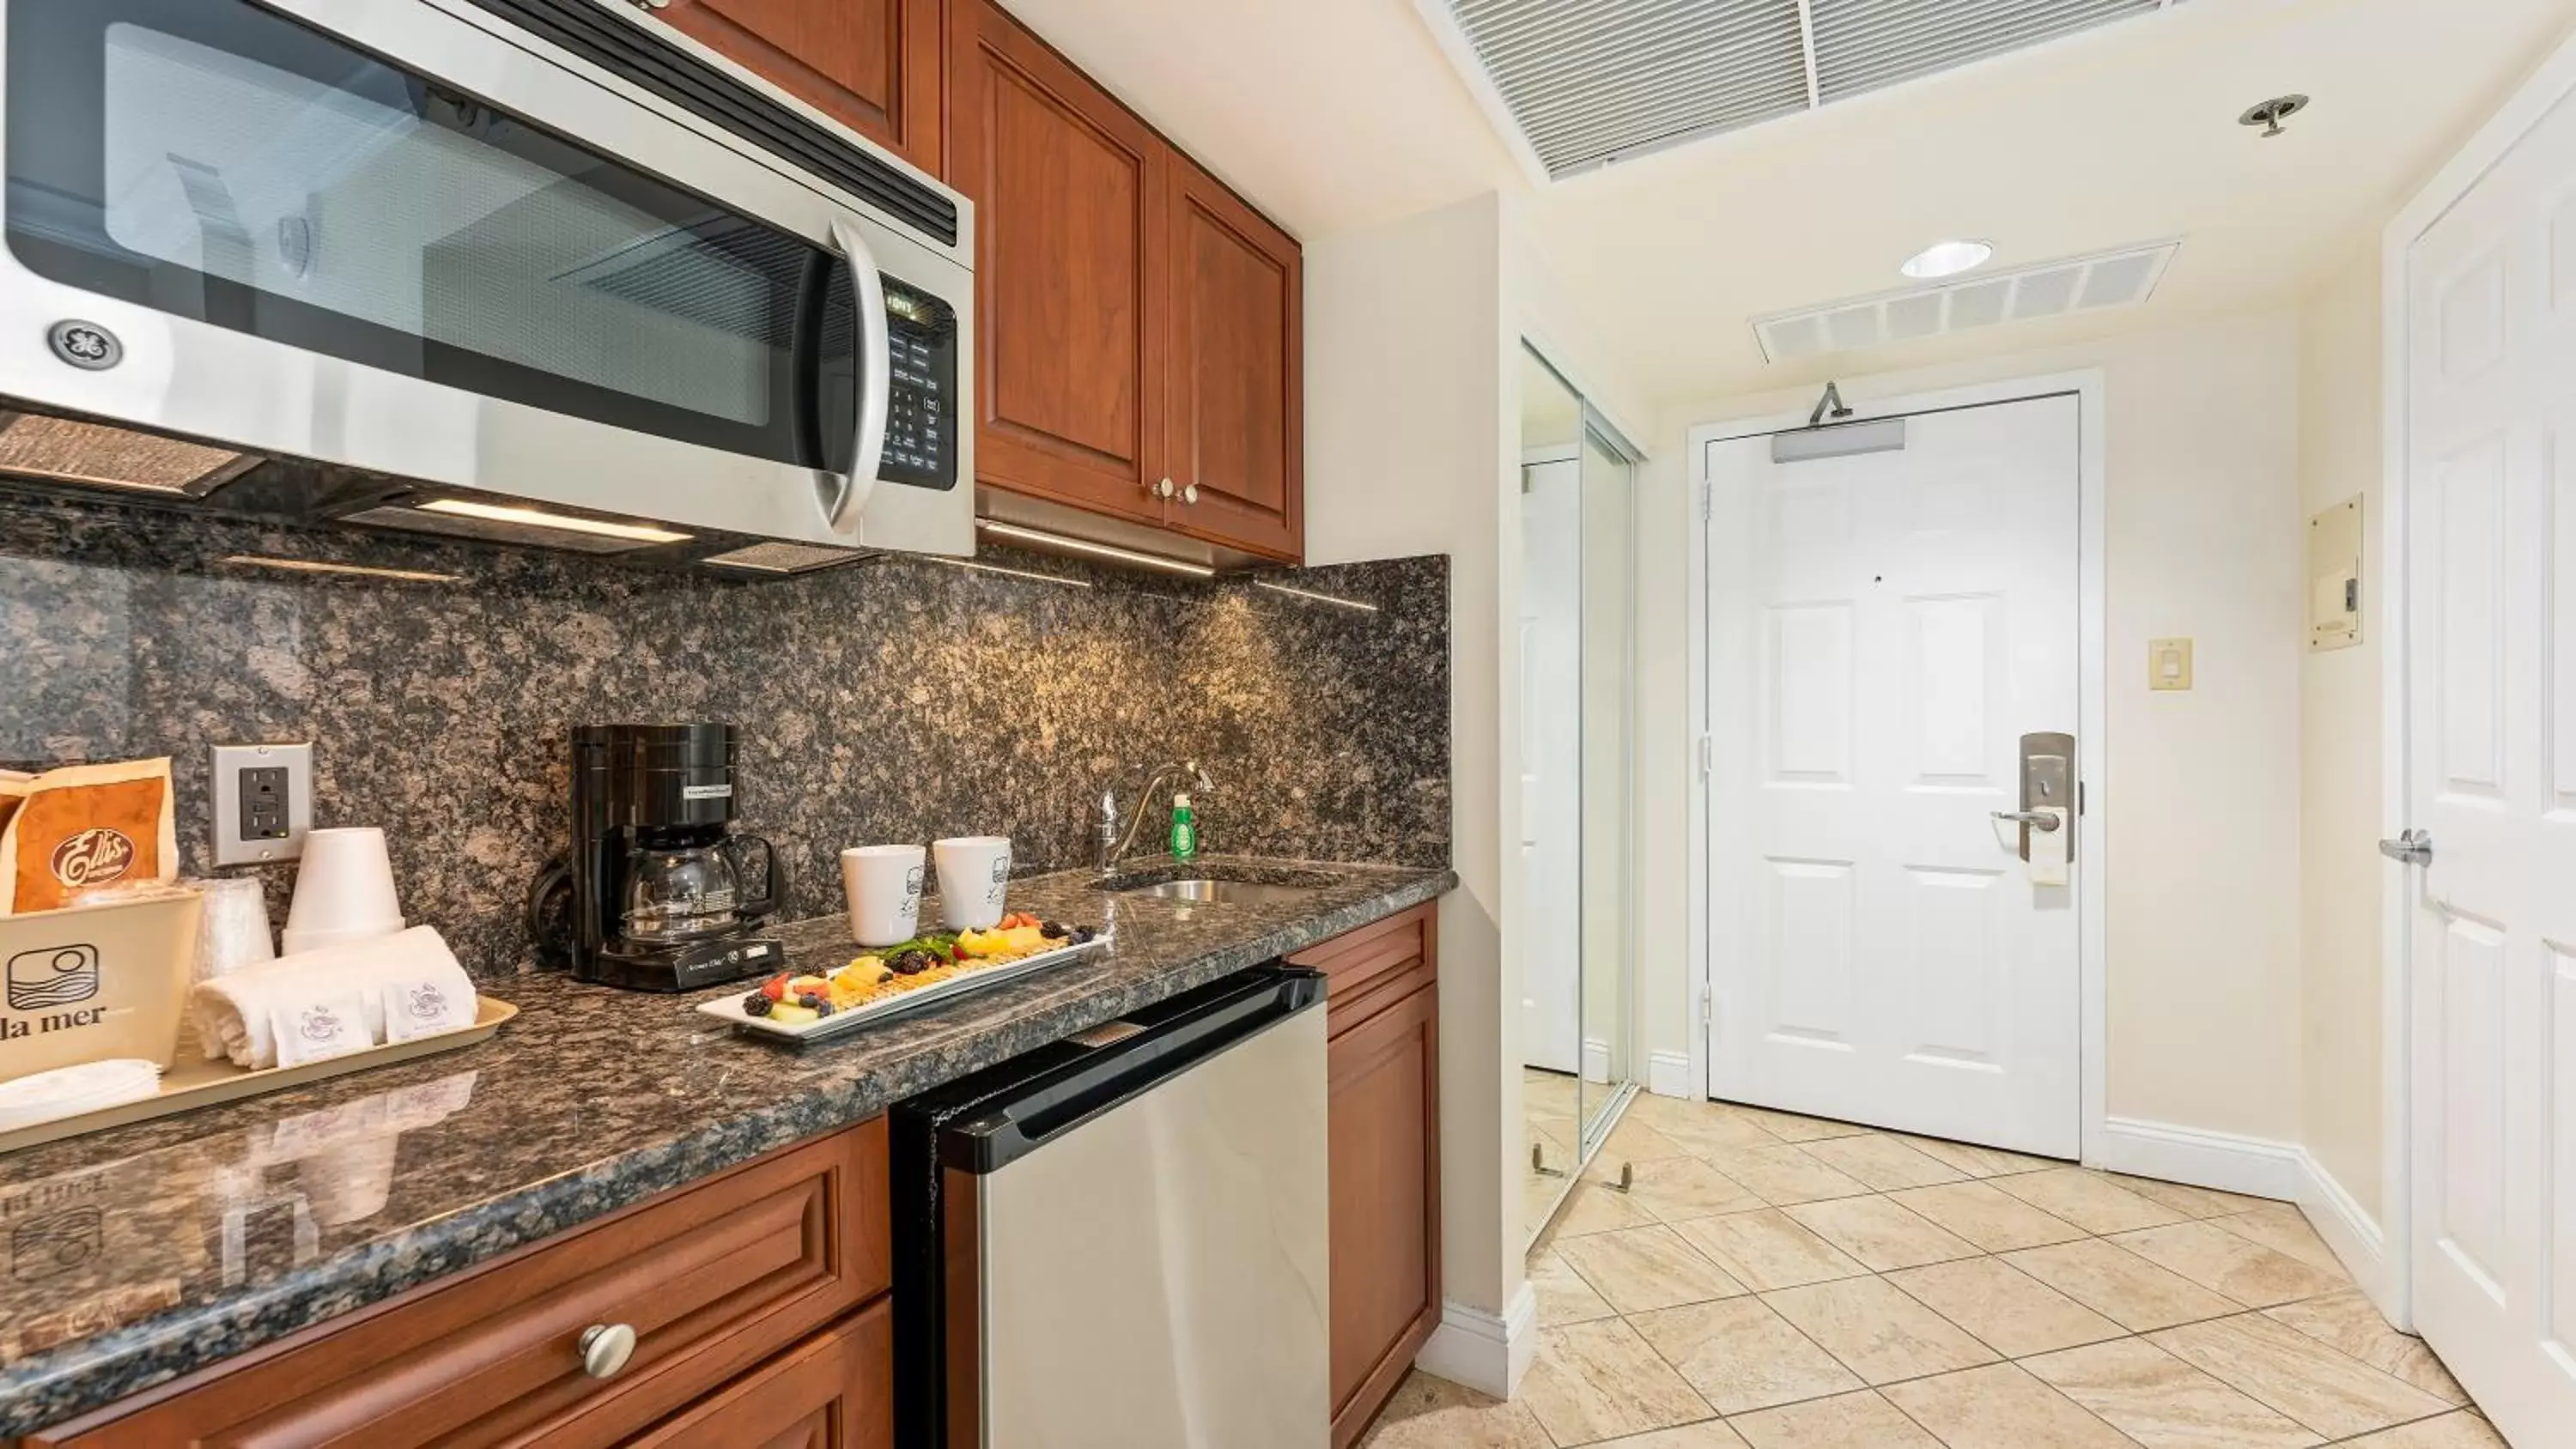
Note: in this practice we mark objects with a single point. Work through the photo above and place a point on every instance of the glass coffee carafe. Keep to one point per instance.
(690, 883)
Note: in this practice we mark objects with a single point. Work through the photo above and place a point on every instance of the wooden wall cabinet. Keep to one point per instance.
(876, 66)
(757, 1299)
(1139, 328)
(1382, 1023)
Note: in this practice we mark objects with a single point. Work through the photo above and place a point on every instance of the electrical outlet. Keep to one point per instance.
(263, 802)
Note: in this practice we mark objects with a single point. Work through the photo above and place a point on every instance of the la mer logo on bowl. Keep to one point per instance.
(54, 976)
(92, 857)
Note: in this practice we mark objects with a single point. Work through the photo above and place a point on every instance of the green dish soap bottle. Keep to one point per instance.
(1185, 828)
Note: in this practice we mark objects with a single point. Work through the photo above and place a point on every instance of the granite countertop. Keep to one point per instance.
(142, 1253)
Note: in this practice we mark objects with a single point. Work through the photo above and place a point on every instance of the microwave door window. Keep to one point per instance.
(229, 165)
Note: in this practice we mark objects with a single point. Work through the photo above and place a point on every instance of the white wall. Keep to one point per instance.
(1412, 424)
(2340, 874)
(2204, 537)
(1413, 447)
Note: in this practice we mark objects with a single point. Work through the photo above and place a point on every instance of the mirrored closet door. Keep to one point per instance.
(1577, 620)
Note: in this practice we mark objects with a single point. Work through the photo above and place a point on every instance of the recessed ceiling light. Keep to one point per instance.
(1947, 259)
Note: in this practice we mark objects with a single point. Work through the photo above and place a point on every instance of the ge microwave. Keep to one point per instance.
(535, 271)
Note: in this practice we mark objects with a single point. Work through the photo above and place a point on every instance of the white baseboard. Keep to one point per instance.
(2220, 1160)
(2351, 1232)
(1596, 1059)
(1484, 1351)
(1668, 1074)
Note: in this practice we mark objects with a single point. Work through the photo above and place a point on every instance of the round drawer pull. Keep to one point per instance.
(1190, 494)
(605, 1348)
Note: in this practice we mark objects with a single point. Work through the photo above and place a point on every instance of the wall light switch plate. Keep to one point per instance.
(2168, 664)
(263, 802)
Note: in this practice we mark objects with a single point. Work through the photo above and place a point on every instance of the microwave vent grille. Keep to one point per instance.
(93, 455)
(783, 558)
(626, 49)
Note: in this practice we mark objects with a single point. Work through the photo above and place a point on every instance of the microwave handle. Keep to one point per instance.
(876, 379)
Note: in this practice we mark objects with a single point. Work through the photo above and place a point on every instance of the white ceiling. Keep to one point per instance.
(1328, 114)
(1336, 114)
(2123, 135)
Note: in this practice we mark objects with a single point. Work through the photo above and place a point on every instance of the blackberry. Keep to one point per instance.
(1053, 930)
(756, 1004)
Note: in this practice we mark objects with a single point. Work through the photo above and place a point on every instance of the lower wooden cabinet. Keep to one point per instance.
(1383, 1062)
(720, 1285)
(834, 1391)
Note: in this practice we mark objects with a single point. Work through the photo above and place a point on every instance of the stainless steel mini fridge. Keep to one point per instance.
(1119, 1241)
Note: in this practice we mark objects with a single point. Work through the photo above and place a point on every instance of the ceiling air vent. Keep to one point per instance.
(2048, 289)
(1589, 82)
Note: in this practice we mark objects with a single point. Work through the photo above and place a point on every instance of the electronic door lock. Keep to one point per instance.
(2048, 805)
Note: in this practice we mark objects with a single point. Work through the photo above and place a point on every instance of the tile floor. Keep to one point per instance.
(1777, 1282)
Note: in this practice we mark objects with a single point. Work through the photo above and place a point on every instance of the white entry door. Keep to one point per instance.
(1884, 630)
(1552, 763)
(2491, 659)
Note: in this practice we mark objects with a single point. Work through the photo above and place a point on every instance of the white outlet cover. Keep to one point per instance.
(230, 761)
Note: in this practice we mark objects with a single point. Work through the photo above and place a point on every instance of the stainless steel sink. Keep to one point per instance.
(1222, 892)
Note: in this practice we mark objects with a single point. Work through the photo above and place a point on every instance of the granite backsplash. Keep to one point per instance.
(895, 700)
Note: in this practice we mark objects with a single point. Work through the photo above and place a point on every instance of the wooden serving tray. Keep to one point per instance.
(193, 1083)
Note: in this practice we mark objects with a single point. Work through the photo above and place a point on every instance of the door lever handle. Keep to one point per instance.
(2412, 847)
(2042, 821)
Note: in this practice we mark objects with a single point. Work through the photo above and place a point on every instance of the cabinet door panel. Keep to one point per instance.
(1236, 369)
(1071, 228)
(714, 1279)
(834, 1391)
(1385, 1129)
(872, 65)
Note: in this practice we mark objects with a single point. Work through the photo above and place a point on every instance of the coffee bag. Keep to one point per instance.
(82, 827)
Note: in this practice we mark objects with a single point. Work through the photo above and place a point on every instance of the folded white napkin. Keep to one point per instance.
(231, 1012)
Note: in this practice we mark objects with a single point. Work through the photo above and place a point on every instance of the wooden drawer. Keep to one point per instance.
(833, 1391)
(1370, 968)
(714, 1280)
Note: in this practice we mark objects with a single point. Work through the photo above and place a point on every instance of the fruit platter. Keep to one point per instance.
(897, 980)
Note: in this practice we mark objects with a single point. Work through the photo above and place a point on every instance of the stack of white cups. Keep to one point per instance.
(344, 891)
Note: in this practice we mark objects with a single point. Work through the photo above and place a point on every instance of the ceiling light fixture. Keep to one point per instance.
(1042, 539)
(539, 518)
(1947, 259)
(316, 566)
(1361, 605)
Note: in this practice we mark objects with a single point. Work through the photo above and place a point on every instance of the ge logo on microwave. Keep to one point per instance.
(86, 345)
(55, 976)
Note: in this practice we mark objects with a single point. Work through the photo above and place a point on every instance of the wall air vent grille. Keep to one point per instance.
(2077, 284)
(1588, 82)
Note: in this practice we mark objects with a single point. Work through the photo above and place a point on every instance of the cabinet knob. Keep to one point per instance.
(605, 1348)
(1190, 494)
(652, 4)
(1163, 489)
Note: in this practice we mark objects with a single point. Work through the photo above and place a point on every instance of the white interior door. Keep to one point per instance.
(2491, 659)
(1552, 764)
(1884, 628)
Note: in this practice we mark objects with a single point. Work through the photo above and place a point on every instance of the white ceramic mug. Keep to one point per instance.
(344, 890)
(882, 884)
(974, 877)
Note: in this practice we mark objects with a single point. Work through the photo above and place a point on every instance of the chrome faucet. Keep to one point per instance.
(1113, 840)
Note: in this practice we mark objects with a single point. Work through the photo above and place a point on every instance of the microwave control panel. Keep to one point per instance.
(921, 414)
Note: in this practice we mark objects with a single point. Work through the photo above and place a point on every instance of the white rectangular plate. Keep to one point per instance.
(904, 1003)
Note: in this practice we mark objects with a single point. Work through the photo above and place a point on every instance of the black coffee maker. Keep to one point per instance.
(659, 893)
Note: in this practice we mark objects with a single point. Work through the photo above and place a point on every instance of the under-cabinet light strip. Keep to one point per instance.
(1367, 608)
(316, 566)
(1097, 550)
(540, 518)
(985, 568)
